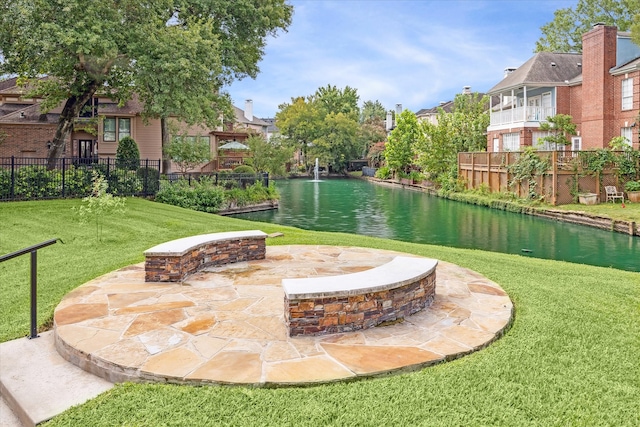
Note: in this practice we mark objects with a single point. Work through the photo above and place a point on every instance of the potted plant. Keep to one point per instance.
(633, 191)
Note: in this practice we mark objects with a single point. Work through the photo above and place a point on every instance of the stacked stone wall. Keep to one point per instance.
(175, 268)
(330, 315)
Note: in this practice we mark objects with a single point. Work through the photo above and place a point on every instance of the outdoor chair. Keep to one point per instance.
(613, 194)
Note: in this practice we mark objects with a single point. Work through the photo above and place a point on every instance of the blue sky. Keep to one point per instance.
(413, 52)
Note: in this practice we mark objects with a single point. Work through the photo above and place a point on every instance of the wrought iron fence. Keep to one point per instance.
(220, 178)
(30, 179)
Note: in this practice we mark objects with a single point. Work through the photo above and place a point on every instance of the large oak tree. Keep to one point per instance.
(564, 33)
(176, 54)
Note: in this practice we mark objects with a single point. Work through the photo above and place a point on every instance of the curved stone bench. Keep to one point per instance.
(335, 304)
(173, 261)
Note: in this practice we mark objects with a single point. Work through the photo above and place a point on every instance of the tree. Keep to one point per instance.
(461, 130)
(176, 54)
(564, 33)
(299, 123)
(561, 129)
(330, 99)
(187, 153)
(336, 144)
(470, 119)
(372, 111)
(399, 150)
(127, 154)
(269, 156)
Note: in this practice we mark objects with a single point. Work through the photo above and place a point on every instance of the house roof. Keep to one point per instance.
(632, 65)
(446, 106)
(7, 83)
(31, 114)
(240, 118)
(544, 68)
(271, 122)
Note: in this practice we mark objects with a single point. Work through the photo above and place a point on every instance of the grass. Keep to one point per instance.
(570, 358)
(630, 211)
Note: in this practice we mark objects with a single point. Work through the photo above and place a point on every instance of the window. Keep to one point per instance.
(124, 128)
(545, 145)
(626, 133)
(627, 94)
(576, 143)
(511, 141)
(109, 128)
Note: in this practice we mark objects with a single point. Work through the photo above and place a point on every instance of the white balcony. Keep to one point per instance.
(521, 115)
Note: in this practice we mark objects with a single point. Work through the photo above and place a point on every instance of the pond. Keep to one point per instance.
(359, 207)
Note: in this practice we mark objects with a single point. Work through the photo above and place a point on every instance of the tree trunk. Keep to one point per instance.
(166, 139)
(70, 112)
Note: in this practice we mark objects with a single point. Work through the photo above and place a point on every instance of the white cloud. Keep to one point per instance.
(412, 52)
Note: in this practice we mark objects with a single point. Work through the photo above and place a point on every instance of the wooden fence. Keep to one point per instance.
(565, 175)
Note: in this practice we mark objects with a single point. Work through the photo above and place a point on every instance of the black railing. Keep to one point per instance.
(30, 179)
(220, 178)
(33, 333)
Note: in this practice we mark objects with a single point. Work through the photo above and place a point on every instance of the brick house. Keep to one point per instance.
(28, 131)
(599, 88)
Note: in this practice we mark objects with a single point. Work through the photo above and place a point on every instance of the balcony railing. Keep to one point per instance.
(521, 115)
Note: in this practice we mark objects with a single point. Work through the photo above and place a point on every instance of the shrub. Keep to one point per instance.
(36, 182)
(632, 186)
(202, 196)
(77, 181)
(245, 169)
(127, 154)
(150, 180)
(124, 182)
(383, 173)
(5, 183)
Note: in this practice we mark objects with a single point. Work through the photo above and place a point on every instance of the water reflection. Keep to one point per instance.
(355, 206)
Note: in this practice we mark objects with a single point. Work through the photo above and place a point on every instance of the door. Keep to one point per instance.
(533, 108)
(86, 150)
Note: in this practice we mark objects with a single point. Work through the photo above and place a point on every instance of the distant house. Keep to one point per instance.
(29, 132)
(430, 115)
(599, 88)
(272, 129)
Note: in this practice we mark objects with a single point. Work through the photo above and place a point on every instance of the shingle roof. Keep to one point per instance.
(544, 68)
(31, 114)
(240, 118)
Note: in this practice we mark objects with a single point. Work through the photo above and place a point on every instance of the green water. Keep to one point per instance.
(355, 206)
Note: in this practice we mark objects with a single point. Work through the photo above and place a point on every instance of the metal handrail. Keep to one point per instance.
(34, 278)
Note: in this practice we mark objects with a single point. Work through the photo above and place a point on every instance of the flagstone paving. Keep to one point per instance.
(226, 324)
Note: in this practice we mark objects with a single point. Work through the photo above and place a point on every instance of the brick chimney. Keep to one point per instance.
(598, 57)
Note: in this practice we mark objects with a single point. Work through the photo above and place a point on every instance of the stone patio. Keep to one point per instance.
(226, 324)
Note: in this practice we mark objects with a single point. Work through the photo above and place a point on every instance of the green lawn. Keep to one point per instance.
(572, 356)
(630, 211)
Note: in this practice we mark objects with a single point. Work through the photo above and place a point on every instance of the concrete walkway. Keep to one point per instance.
(226, 326)
(37, 384)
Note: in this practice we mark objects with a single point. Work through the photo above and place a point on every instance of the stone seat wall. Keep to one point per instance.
(349, 302)
(173, 261)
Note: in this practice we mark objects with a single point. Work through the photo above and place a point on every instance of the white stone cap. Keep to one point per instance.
(180, 247)
(398, 272)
